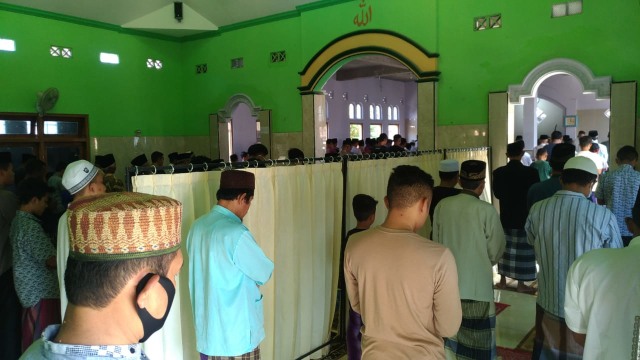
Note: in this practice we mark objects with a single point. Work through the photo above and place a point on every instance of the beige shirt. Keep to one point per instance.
(61, 258)
(406, 289)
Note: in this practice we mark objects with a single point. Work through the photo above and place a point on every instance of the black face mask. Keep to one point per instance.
(150, 324)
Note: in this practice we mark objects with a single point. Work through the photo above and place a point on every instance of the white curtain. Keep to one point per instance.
(296, 219)
(475, 154)
(371, 176)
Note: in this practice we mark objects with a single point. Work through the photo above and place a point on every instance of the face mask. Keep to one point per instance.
(150, 324)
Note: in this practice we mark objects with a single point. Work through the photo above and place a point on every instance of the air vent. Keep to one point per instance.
(59, 51)
(278, 56)
(487, 22)
(201, 68)
(237, 63)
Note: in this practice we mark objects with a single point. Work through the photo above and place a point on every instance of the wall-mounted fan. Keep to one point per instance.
(47, 100)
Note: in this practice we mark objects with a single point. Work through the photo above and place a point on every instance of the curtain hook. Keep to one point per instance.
(206, 166)
(154, 169)
(190, 167)
(136, 170)
(172, 169)
(256, 164)
(289, 162)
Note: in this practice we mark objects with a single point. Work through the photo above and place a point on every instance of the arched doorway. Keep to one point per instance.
(250, 116)
(622, 97)
(342, 50)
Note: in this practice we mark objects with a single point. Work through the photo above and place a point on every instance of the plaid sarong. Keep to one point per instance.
(553, 339)
(36, 318)
(476, 339)
(254, 355)
(519, 258)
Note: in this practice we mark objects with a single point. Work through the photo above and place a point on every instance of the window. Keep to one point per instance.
(59, 51)
(154, 64)
(54, 138)
(375, 131)
(378, 112)
(566, 9)
(371, 112)
(393, 130)
(108, 58)
(389, 113)
(359, 111)
(355, 131)
(7, 45)
(395, 113)
(352, 111)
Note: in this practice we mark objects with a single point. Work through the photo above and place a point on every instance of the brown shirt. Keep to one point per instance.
(406, 289)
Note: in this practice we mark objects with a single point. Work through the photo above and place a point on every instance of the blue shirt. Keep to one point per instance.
(226, 266)
(561, 228)
(619, 188)
(46, 348)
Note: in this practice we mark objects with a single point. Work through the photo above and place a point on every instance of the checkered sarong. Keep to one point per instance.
(254, 355)
(476, 339)
(519, 258)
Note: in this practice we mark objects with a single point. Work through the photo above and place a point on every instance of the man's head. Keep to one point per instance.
(257, 151)
(33, 195)
(236, 191)
(364, 209)
(124, 257)
(157, 158)
(544, 139)
(140, 160)
(579, 175)
(82, 178)
(585, 143)
(541, 154)
(627, 155)
(593, 134)
(295, 153)
(556, 137)
(410, 188)
(472, 175)
(515, 150)
(7, 175)
(560, 154)
(581, 133)
(383, 139)
(107, 163)
(396, 139)
(449, 171)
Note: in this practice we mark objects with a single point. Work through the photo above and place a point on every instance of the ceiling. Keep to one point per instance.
(157, 16)
(568, 88)
(378, 66)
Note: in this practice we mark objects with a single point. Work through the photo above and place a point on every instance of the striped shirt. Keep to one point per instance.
(561, 228)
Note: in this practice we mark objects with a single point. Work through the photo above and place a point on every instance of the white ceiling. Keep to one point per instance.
(570, 88)
(157, 15)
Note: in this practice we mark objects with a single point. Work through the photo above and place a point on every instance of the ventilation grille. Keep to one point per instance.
(487, 22)
(237, 63)
(201, 68)
(278, 56)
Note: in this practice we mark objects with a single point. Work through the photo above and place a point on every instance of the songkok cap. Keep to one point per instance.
(582, 163)
(260, 149)
(123, 226)
(560, 154)
(515, 148)
(104, 161)
(593, 133)
(139, 160)
(172, 156)
(473, 170)
(5, 157)
(544, 137)
(237, 179)
(78, 175)
(449, 165)
(184, 156)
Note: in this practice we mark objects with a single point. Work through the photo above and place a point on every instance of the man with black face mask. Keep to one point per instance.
(120, 279)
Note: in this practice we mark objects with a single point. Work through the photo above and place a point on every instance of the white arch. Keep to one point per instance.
(224, 115)
(601, 86)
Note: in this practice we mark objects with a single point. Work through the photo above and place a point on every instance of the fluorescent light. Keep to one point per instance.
(109, 58)
(7, 45)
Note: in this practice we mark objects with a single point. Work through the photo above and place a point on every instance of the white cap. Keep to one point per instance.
(449, 166)
(78, 175)
(582, 163)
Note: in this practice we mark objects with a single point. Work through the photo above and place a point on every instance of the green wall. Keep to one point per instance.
(177, 101)
(118, 98)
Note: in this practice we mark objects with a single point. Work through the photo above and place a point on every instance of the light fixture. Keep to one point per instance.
(345, 96)
(366, 98)
(607, 113)
(384, 99)
(330, 94)
(401, 100)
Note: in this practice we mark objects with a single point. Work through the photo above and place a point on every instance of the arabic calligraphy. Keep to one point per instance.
(364, 17)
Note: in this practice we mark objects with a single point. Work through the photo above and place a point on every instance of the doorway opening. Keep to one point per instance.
(367, 96)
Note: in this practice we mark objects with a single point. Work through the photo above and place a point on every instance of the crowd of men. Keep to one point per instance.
(116, 258)
(381, 144)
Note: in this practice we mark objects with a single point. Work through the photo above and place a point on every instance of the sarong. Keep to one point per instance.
(254, 355)
(519, 258)
(476, 339)
(553, 338)
(354, 336)
(36, 318)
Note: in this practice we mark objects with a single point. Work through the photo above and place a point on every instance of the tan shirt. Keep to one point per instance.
(406, 289)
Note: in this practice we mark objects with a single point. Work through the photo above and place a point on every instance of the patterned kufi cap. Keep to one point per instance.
(473, 170)
(123, 225)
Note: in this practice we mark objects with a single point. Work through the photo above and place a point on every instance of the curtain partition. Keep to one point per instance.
(296, 218)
